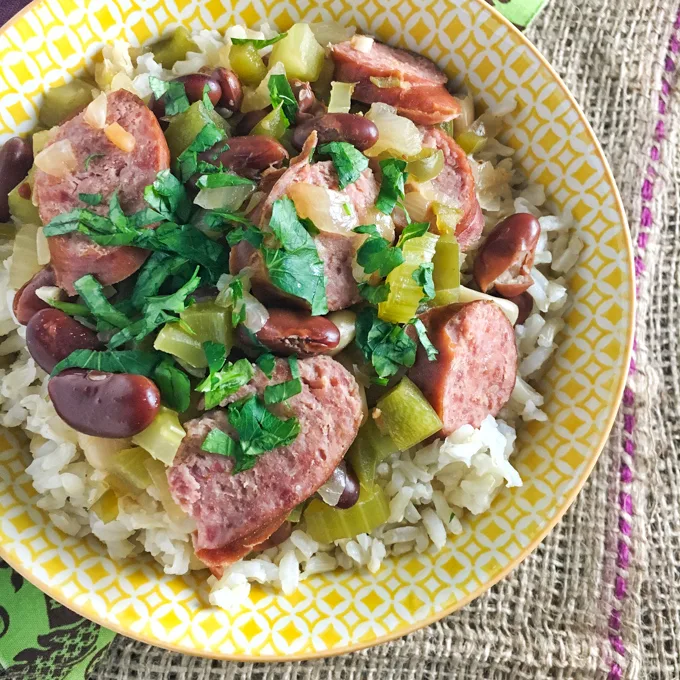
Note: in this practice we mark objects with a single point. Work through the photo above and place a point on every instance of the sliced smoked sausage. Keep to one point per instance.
(233, 509)
(420, 93)
(109, 169)
(475, 370)
(457, 182)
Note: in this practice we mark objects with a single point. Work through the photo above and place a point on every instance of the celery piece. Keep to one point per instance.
(106, 508)
(24, 256)
(22, 209)
(163, 437)
(300, 53)
(129, 464)
(157, 472)
(446, 274)
(428, 167)
(445, 296)
(185, 126)
(274, 124)
(210, 322)
(327, 524)
(406, 416)
(61, 102)
(247, 64)
(369, 448)
(173, 339)
(174, 48)
(405, 293)
(341, 97)
(470, 142)
(122, 486)
(447, 216)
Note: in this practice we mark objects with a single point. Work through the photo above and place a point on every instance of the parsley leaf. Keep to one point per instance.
(91, 199)
(378, 254)
(92, 293)
(219, 442)
(153, 274)
(429, 348)
(275, 394)
(168, 197)
(176, 100)
(251, 234)
(256, 43)
(294, 368)
(281, 94)
(222, 179)
(348, 161)
(392, 186)
(412, 230)
(92, 157)
(423, 277)
(134, 361)
(238, 309)
(216, 354)
(374, 294)
(173, 384)
(384, 344)
(267, 364)
(295, 267)
(206, 98)
(218, 385)
(210, 134)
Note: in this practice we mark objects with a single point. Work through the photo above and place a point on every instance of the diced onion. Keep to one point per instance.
(256, 313)
(341, 97)
(345, 322)
(41, 138)
(95, 113)
(510, 309)
(467, 115)
(120, 137)
(24, 256)
(333, 488)
(99, 452)
(390, 81)
(230, 198)
(417, 206)
(58, 159)
(42, 248)
(362, 43)
(329, 210)
(49, 293)
(122, 81)
(397, 136)
(330, 32)
(383, 223)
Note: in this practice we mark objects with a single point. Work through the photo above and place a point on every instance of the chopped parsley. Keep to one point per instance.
(257, 43)
(348, 161)
(176, 100)
(222, 179)
(266, 363)
(423, 277)
(135, 361)
(92, 293)
(374, 294)
(377, 254)
(412, 230)
(275, 394)
(91, 199)
(228, 379)
(216, 354)
(173, 384)
(281, 94)
(392, 186)
(425, 341)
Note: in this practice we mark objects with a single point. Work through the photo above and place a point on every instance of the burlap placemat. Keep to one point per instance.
(601, 595)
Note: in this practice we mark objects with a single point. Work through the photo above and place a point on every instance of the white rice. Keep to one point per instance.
(429, 489)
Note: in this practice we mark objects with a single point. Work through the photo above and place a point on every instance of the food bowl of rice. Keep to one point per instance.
(312, 324)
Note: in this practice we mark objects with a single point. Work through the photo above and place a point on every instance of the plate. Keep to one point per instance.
(341, 612)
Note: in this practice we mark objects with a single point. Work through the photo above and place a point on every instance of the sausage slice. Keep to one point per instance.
(475, 370)
(457, 182)
(234, 512)
(420, 96)
(128, 173)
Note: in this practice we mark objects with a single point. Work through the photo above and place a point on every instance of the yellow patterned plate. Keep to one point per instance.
(345, 611)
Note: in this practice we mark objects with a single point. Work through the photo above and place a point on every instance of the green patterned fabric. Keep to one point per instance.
(43, 640)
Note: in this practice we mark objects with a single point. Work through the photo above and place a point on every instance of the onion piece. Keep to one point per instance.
(397, 136)
(256, 314)
(362, 43)
(95, 113)
(341, 97)
(120, 137)
(58, 159)
(329, 210)
(509, 308)
(42, 248)
(24, 263)
(382, 222)
(331, 491)
(467, 115)
(230, 198)
(330, 32)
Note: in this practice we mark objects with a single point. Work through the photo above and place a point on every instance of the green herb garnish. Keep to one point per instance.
(348, 161)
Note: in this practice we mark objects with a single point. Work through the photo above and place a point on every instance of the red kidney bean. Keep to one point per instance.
(278, 537)
(249, 155)
(504, 261)
(111, 405)
(350, 494)
(26, 302)
(16, 159)
(338, 127)
(232, 92)
(194, 85)
(525, 303)
(51, 335)
(250, 120)
(289, 331)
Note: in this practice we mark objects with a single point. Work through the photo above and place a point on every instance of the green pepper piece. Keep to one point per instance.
(63, 101)
(174, 48)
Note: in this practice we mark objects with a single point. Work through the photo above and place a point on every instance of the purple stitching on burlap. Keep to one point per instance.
(626, 476)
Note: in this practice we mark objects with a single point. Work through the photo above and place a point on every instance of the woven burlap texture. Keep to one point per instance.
(576, 608)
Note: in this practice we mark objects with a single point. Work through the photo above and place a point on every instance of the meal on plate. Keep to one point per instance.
(271, 303)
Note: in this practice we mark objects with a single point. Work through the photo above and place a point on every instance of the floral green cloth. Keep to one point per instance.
(41, 639)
